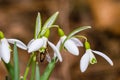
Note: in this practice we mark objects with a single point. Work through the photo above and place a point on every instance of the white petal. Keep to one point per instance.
(92, 56)
(5, 51)
(48, 57)
(55, 50)
(35, 45)
(84, 62)
(71, 47)
(58, 47)
(104, 56)
(18, 43)
(44, 42)
(30, 42)
(77, 42)
(0, 48)
(58, 44)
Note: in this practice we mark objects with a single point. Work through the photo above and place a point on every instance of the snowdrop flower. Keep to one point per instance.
(89, 58)
(5, 47)
(40, 44)
(71, 45)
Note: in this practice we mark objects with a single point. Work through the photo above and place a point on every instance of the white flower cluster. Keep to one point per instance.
(40, 42)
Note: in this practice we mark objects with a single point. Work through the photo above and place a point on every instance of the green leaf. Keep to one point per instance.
(10, 70)
(37, 72)
(49, 23)
(28, 66)
(78, 30)
(16, 66)
(48, 70)
(38, 25)
(33, 70)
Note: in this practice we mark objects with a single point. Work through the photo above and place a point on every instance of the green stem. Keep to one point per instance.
(33, 68)
(28, 67)
(48, 70)
(80, 36)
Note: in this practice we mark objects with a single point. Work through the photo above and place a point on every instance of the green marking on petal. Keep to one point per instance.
(1, 35)
(93, 61)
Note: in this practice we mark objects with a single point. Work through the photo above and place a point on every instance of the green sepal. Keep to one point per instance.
(60, 32)
(1, 35)
(87, 45)
(47, 33)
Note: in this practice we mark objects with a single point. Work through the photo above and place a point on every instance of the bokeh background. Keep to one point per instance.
(17, 20)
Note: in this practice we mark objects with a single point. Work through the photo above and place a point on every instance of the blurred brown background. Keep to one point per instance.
(17, 20)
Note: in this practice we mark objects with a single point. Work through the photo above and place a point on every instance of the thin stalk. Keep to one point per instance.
(16, 63)
(48, 70)
(33, 68)
(28, 67)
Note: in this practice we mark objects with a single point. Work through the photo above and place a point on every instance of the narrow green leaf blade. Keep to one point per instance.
(37, 72)
(48, 70)
(78, 30)
(49, 22)
(38, 25)
(16, 64)
(10, 70)
(33, 71)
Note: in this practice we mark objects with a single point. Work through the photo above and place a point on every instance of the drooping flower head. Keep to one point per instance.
(70, 42)
(40, 41)
(89, 58)
(5, 47)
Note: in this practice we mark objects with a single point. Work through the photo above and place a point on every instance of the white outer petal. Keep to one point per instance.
(0, 50)
(84, 62)
(104, 56)
(30, 42)
(91, 55)
(71, 47)
(77, 41)
(18, 43)
(55, 50)
(5, 51)
(58, 44)
(58, 47)
(44, 42)
(35, 45)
